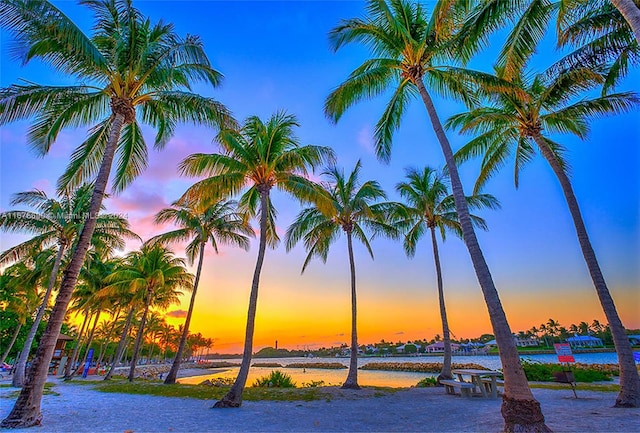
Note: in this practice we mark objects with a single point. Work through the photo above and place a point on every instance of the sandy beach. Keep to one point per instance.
(82, 409)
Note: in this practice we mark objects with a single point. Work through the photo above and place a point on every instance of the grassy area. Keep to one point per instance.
(203, 392)
(48, 390)
(581, 387)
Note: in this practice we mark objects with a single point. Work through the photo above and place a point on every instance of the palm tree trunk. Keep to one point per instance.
(520, 410)
(446, 337)
(89, 341)
(11, 343)
(233, 398)
(105, 346)
(121, 344)
(21, 366)
(26, 411)
(631, 12)
(136, 346)
(629, 395)
(352, 376)
(74, 356)
(173, 373)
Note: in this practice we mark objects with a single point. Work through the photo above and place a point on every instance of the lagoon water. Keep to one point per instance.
(377, 378)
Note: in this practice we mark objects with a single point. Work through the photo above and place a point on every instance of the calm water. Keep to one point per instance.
(377, 378)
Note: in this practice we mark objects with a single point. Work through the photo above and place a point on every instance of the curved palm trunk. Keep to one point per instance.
(629, 395)
(173, 373)
(76, 350)
(631, 12)
(446, 338)
(21, 366)
(352, 376)
(26, 411)
(11, 343)
(233, 398)
(136, 346)
(520, 410)
(122, 344)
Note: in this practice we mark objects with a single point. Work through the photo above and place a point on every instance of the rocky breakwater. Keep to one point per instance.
(152, 371)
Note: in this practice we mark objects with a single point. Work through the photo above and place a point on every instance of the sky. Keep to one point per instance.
(276, 56)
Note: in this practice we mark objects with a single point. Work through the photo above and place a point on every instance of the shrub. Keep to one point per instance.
(276, 379)
(313, 384)
(540, 372)
(427, 382)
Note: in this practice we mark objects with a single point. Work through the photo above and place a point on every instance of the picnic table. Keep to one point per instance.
(483, 380)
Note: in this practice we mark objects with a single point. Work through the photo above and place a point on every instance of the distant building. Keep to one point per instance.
(584, 341)
(520, 342)
(634, 339)
(438, 347)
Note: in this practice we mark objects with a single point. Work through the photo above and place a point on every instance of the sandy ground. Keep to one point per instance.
(80, 409)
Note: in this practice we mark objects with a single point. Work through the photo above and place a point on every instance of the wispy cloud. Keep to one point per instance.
(365, 139)
(177, 314)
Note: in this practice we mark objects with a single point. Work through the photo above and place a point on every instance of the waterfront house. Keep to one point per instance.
(584, 341)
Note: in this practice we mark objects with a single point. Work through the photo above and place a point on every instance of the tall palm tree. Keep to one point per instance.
(135, 67)
(344, 204)
(406, 46)
(429, 207)
(56, 221)
(157, 277)
(260, 155)
(518, 121)
(200, 223)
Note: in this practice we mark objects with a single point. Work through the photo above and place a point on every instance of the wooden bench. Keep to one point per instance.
(465, 387)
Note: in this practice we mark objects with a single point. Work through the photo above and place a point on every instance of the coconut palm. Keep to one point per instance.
(129, 67)
(406, 46)
(56, 222)
(518, 121)
(260, 155)
(157, 277)
(429, 207)
(19, 296)
(200, 223)
(345, 205)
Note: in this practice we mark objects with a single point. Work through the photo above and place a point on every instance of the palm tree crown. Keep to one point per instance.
(429, 205)
(133, 68)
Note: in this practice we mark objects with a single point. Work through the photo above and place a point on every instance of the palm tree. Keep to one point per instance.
(19, 291)
(405, 48)
(56, 222)
(156, 276)
(519, 119)
(631, 12)
(199, 223)
(344, 204)
(135, 67)
(260, 155)
(430, 207)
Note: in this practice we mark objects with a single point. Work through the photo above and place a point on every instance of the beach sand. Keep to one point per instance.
(81, 409)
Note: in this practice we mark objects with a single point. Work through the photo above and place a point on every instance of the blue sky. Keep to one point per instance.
(274, 56)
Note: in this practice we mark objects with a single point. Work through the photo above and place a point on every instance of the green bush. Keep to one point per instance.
(275, 379)
(539, 372)
(313, 384)
(427, 382)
